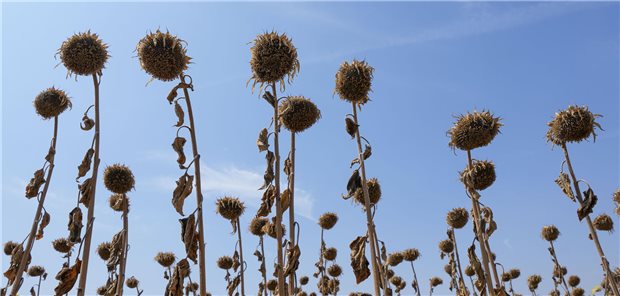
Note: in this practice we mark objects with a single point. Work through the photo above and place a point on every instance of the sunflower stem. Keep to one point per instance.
(276, 138)
(121, 274)
(241, 257)
(291, 213)
(558, 267)
(458, 261)
(415, 280)
(263, 271)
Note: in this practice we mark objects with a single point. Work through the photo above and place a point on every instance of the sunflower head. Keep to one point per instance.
(574, 124)
(225, 262)
(118, 178)
(354, 81)
(84, 54)
(328, 220)
(374, 192)
(298, 113)
(395, 258)
(457, 218)
(230, 208)
(603, 222)
(480, 175)
(446, 246)
(550, 233)
(410, 254)
(162, 55)
(474, 130)
(257, 226)
(51, 102)
(36, 270)
(132, 282)
(165, 259)
(274, 58)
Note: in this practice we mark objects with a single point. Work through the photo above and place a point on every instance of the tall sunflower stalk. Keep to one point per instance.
(457, 218)
(327, 221)
(257, 228)
(49, 104)
(163, 56)
(231, 209)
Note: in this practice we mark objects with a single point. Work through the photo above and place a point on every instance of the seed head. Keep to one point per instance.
(435, 281)
(62, 245)
(577, 292)
(480, 175)
(330, 254)
(514, 273)
(193, 287)
(270, 229)
(230, 208)
(328, 220)
(410, 254)
(304, 280)
(298, 113)
(51, 102)
(573, 281)
(533, 281)
(448, 268)
(354, 81)
(162, 55)
(474, 130)
(396, 281)
(395, 258)
(272, 285)
(257, 226)
(9, 246)
(389, 273)
(116, 202)
(374, 192)
(118, 178)
(84, 54)
(104, 250)
(457, 218)
(603, 222)
(36, 270)
(616, 196)
(559, 272)
(225, 262)
(102, 290)
(446, 246)
(334, 270)
(302, 293)
(469, 271)
(132, 282)
(274, 57)
(165, 259)
(574, 124)
(505, 276)
(550, 233)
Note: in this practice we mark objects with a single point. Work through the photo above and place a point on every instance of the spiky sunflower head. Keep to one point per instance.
(274, 58)
(396, 281)
(550, 233)
(193, 287)
(51, 103)
(257, 226)
(335, 270)
(616, 196)
(574, 124)
(559, 272)
(577, 292)
(480, 175)
(457, 218)
(298, 113)
(328, 220)
(118, 178)
(165, 259)
(270, 229)
(84, 54)
(374, 193)
(533, 281)
(446, 246)
(304, 280)
(574, 281)
(9, 246)
(62, 245)
(36, 270)
(603, 222)
(395, 258)
(162, 55)
(515, 273)
(505, 277)
(474, 130)
(104, 250)
(117, 202)
(272, 285)
(354, 81)
(330, 253)
(389, 273)
(230, 208)
(448, 268)
(132, 282)
(410, 254)
(436, 281)
(225, 262)
(469, 271)
(102, 290)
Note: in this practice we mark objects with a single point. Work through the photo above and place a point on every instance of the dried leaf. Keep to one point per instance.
(288, 165)
(588, 204)
(189, 236)
(175, 285)
(236, 262)
(564, 182)
(75, 225)
(267, 202)
(16, 258)
(32, 189)
(32, 291)
(85, 192)
(269, 174)
(487, 214)
(359, 263)
(183, 190)
(45, 220)
(285, 200)
(67, 277)
(355, 182)
(178, 111)
(263, 140)
(270, 98)
(477, 266)
(177, 145)
(50, 154)
(350, 127)
(292, 260)
(116, 251)
(367, 153)
(172, 94)
(87, 123)
(232, 285)
(84, 167)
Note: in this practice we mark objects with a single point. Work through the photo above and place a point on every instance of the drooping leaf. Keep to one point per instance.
(50, 154)
(350, 127)
(263, 140)
(172, 94)
(85, 192)
(271, 99)
(292, 260)
(189, 236)
(116, 251)
(564, 182)
(67, 277)
(183, 190)
(45, 220)
(288, 166)
(267, 202)
(359, 263)
(285, 200)
(175, 284)
(178, 111)
(177, 145)
(366, 154)
(75, 225)
(32, 189)
(355, 182)
(269, 173)
(588, 204)
(232, 285)
(84, 167)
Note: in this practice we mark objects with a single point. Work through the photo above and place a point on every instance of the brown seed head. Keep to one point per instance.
(84, 54)
(603, 222)
(480, 175)
(230, 208)
(274, 57)
(9, 246)
(162, 55)
(436, 281)
(330, 254)
(550, 233)
(334, 270)
(298, 113)
(302, 293)
(446, 246)
(574, 281)
(62, 245)
(102, 290)
(104, 250)
(132, 282)
(165, 259)
(257, 226)
(193, 287)
(474, 130)
(469, 271)
(559, 272)
(396, 281)
(272, 285)
(574, 124)
(304, 280)
(374, 192)
(225, 262)
(118, 178)
(51, 102)
(389, 273)
(354, 81)
(448, 268)
(533, 281)
(514, 273)
(616, 197)
(328, 220)
(36, 270)
(116, 202)
(457, 218)
(395, 258)
(270, 229)
(577, 292)
(410, 254)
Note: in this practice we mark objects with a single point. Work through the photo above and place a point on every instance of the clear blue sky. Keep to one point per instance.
(523, 61)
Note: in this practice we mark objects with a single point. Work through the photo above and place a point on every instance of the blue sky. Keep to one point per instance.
(522, 61)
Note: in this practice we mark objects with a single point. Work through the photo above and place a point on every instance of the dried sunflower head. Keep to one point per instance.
(334, 270)
(84, 54)
(165, 259)
(474, 130)
(304, 280)
(389, 273)
(396, 281)
(616, 196)
(446, 246)
(118, 178)
(603, 222)
(436, 281)
(132, 282)
(574, 281)
(505, 277)
(104, 250)
(274, 57)
(51, 102)
(469, 271)
(550, 233)
(457, 218)
(272, 285)
(354, 81)
(298, 113)
(162, 55)
(9, 246)
(514, 273)
(117, 202)
(533, 281)
(102, 290)
(330, 253)
(559, 272)
(577, 292)
(302, 293)
(410, 254)
(193, 287)
(36, 270)
(62, 245)
(270, 229)
(374, 192)
(448, 268)
(480, 175)
(257, 226)
(395, 258)
(328, 220)
(574, 124)
(225, 262)
(231, 208)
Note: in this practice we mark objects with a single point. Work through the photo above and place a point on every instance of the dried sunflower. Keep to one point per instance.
(62, 245)
(514, 273)
(410, 254)
(550, 233)
(354, 81)
(330, 253)
(162, 55)
(457, 218)
(298, 113)
(116, 202)
(104, 250)
(132, 282)
(165, 259)
(474, 130)
(574, 124)
(84, 54)
(574, 281)
(435, 281)
(9, 246)
(603, 222)
(480, 175)
(328, 220)
(225, 262)
(274, 57)
(51, 102)
(36, 270)
(395, 258)
(231, 208)
(257, 226)
(469, 271)
(118, 178)
(533, 281)
(446, 246)
(335, 270)
(374, 192)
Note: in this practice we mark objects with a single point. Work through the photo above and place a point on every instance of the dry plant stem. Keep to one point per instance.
(415, 279)
(241, 257)
(608, 272)
(380, 262)
(458, 260)
(39, 286)
(121, 274)
(276, 143)
(322, 258)
(201, 230)
(264, 272)
(498, 282)
(481, 239)
(291, 213)
(559, 268)
(473, 286)
(35, 222)
(91, 201)
(371, 226)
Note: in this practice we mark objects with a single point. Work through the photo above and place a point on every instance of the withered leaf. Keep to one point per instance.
(75, 225)
(236, 262)
(175, 285)
(16, 257)
(588, 204)
(32, 291)
(67, 277)
(84, 167)
(116, 251)
(85, 192)
(285, 200)
(87, 123)
(178, 111)
(183, 190)
(564, 182)
(292, 260)
(477, 266)
(50, 154)
(177, 145)
(366, 154)
(232, 285)
(350, 126)
(263, 140)
(383, 251)
(271, 99)
(488, 221)
(189, 236)
(269, 173)
(288, 165)
(32, 189)
(355, 182)
(172, 94)
(45, 220)
(267, 202)
(359, 263)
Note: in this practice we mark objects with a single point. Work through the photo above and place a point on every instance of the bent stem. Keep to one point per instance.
(371, 226)
(415, 280)
(276, 136)
(91, 201)
(17, 282)
(291, 213)
(121, 275)
(241, 257)
(201, 236)
(558, 267)
(593, 234)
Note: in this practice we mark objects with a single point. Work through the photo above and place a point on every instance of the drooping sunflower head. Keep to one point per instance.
(298, 113)
(474, 130)
(165, 259)
(395, 258)
(603, 222)
(446, 246)
(132, 282)
(84, 54)
(328, 220)
(574, 124)
(410, 254)
(354, 81)
(480, 175)
(36, 270)
(225, 262)
(163, 55)
(550, 233)
(533, 281)
(457, 218)
(374, 193)
(62, 245)
(118, 178)
(104, 250)
(257, 226)
(230, 208)
(274, 58)
(51, 103)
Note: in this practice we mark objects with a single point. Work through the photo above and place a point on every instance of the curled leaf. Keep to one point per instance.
(355, 182)
(292, 260)
(263, 140)
(588, 204)
(67, 277)
(285, 200)
(85, 192)
(175, 285)
(84, 167)
(183, 190)
(116, 251)
(232, 285)
(367, 153)
(172, 94)
(189, 236)
(267, 96)
(267, 202)
(87, 123)
(269, 173)
(75, 225)
(178, 111)
(564, 182)
(359, 263)
(45, 220)
(350, 126)
(50, 154)
(177, 145)
(32, 189)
